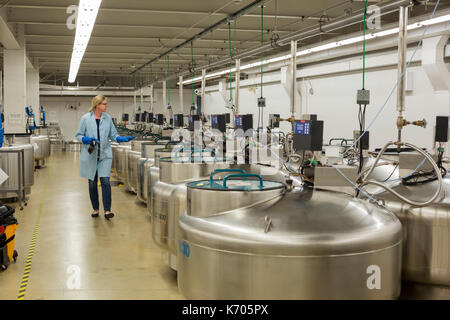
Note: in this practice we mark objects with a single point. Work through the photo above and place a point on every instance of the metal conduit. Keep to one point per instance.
(385, 8)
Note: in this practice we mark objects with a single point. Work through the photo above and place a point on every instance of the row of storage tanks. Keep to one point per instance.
(252, 232)
(36, 149)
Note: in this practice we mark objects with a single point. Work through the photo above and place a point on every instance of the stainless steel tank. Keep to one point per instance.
(140, 149)
(10, 164)
(426, 249)
(41, 149)
(153, 174)
(147, 149)
(114, 146)
(144, 167)
(133, 159)
(29, 166)
(169, 197)
(121, 162)
(299, 245)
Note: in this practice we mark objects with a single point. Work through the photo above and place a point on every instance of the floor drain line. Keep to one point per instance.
(31, 249)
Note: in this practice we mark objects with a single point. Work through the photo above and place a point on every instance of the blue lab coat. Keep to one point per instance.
(88, 162)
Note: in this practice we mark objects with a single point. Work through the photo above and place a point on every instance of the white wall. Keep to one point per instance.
(58, 108)
(334, 101)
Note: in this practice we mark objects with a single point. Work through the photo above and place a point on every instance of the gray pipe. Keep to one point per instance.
(402, 42)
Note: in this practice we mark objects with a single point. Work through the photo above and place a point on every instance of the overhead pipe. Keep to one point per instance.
(402, 35)
(181, 94)
(203, 89)
(238, 83)
(293, 76)
(401, 89)
(231, 17)
(385, 8)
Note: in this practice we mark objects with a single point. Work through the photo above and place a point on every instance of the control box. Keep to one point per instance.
(137, 117)
(273, 121)
(227, 118)
(178, 120)
(191, 121)
(243, 121)
(159, 119)
(441, 129)
(308, 135)
(125, 117)
(363, 97)
(364, 142)
(144, 116)
(149, 117)
(218, 121)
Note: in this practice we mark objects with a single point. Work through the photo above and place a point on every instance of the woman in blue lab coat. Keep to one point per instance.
(95, 131)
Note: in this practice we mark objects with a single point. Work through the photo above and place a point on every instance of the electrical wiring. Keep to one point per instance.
(396, 194)
(419, 44)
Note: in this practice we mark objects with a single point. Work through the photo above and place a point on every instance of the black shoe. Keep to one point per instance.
(109, 215)
(95, 215)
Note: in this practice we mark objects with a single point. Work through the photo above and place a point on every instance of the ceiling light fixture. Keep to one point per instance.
(87, 13)
(328, 46)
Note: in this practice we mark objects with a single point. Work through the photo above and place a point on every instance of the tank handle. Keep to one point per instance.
(211, 175)
(244, 176)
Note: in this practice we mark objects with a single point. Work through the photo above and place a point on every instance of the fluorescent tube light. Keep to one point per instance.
(328, 46)
(87, 13)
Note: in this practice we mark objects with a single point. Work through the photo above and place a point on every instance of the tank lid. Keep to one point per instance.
(236, 184)
(195, 159)
(307, 223)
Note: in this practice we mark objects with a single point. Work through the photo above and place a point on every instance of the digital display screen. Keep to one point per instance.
(238, 122)
(302, 128)
(214, 119)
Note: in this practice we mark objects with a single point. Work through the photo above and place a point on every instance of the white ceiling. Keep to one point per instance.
(129, 33)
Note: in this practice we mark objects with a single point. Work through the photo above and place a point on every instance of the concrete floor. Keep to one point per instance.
(116, 259)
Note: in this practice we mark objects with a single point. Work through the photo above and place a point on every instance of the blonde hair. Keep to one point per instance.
(96, 101)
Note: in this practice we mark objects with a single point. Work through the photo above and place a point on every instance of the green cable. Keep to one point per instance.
(231, 61)
(168, 81)
(192, 57)
(262, 42)
(364, 46)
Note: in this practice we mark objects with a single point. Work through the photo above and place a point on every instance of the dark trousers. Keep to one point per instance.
(106, 193)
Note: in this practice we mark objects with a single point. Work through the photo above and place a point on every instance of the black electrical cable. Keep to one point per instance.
(423, 177)
(391, 174)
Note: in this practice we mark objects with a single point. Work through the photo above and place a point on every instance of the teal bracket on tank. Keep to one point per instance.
(244, 176)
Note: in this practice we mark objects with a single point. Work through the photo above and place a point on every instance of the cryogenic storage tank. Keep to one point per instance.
(144, 167)
(42, 149)
(426, 249)
(153, 174)
(298, 245)
(114, 146)
(121, 163)
(133, 160)
(169, 196)
(10, 164)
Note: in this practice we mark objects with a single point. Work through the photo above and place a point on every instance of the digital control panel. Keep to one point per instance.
(308, 135)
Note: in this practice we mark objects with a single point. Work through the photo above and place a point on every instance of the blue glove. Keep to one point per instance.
(87, 140)
(125, 139)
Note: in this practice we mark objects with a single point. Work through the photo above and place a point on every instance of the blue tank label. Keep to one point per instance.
(184, 248)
